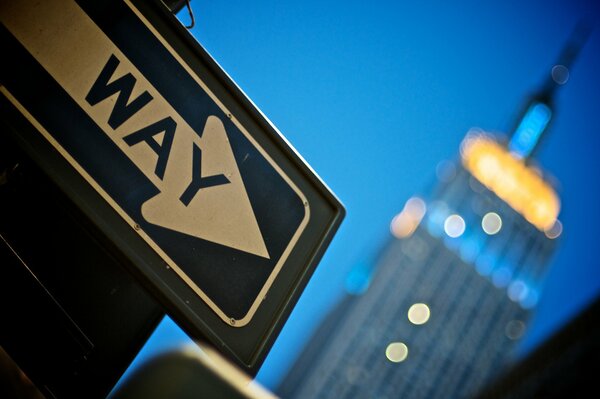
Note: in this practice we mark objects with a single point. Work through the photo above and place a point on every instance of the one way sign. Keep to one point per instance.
(225, 222)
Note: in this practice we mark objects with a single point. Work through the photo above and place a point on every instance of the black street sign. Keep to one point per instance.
(212, 209)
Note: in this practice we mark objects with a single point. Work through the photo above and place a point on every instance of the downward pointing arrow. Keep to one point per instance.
(214, 207)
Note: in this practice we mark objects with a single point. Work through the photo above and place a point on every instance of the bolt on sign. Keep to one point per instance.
(214, 212)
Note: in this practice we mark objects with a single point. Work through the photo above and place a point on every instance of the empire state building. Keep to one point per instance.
(440, 309)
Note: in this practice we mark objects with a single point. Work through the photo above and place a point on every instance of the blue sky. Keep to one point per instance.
(375, 94)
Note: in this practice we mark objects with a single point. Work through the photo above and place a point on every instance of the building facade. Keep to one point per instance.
(441, 309)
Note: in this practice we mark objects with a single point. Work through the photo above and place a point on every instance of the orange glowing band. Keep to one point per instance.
(520, 186)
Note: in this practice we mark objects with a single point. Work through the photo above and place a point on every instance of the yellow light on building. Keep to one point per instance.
(407, 221)
(519, 185)
(419, 313)
(396, 352)
(491, 223)
(454, 226)
(555, 231)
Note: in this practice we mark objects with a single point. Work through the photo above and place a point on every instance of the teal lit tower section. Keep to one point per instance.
(530, 129)
(539, 110)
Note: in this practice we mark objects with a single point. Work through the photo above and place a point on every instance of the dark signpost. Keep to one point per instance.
(192, 188)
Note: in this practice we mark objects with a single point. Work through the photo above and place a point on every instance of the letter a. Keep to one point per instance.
(101, 90)
(147, 134)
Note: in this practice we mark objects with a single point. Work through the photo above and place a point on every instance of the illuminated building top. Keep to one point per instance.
(511, 179)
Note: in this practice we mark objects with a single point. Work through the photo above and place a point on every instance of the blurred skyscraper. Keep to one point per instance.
(440, 310)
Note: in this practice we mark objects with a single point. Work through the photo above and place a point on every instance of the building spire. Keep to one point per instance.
(538, 113)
